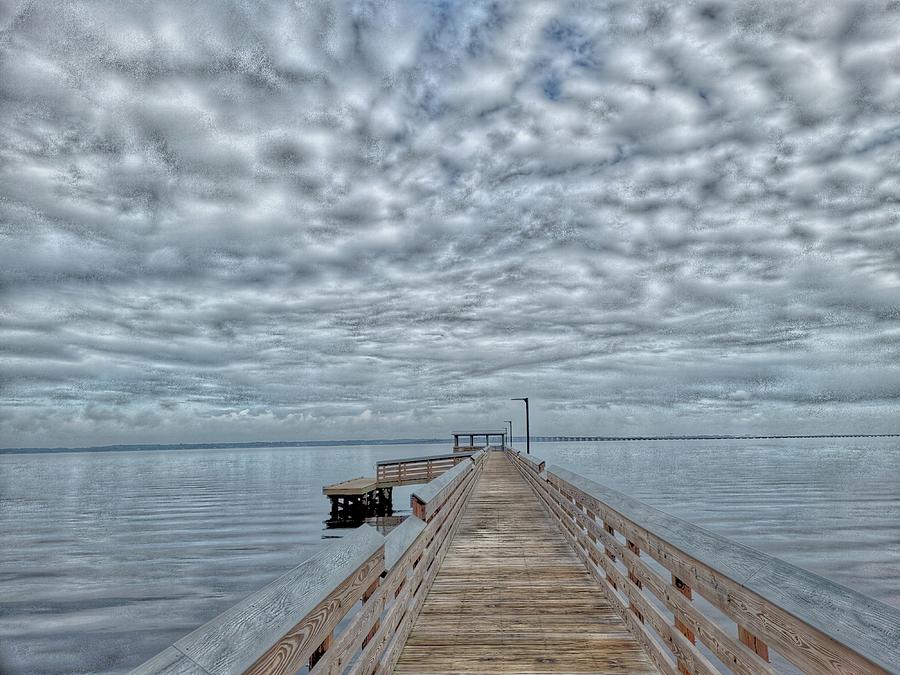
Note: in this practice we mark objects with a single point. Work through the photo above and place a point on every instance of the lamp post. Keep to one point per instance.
(509, 422)
(527, 425)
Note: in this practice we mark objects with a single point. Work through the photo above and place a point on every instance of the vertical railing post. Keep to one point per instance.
(593, 519)
(680, 626)
(633, 578)
(609, 554)
(631, 575)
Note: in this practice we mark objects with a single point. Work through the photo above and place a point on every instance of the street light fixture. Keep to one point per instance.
(527, 425)
(509, 422)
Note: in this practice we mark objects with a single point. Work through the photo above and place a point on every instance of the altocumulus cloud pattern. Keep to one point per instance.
(235, 220)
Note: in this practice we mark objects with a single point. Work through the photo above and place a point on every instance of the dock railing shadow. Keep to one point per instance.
(348, 609)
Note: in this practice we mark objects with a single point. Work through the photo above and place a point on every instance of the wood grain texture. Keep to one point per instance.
(414, 470)
(447, 522)
(276, 629)
(815, 623)
(410, 604)
(434, 492)
(579, 541)
(423, 458)
(728, 649)
(169, 662)
(352, 487)
(399, 540)
(535, 463)
(410, 550)
(302, 606)
(511, 596)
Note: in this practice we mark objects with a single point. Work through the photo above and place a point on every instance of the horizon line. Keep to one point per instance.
(580, 438)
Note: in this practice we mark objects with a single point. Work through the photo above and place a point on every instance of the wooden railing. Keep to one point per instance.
(412, 470)
(651, 565)
(311, 615)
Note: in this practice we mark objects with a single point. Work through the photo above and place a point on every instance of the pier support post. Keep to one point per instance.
(352, 510)
(418, 508)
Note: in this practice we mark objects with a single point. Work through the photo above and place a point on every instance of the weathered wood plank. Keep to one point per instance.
(683, 649)
(352, 487)
(169, 662)
(662, 661)
(511, 596)
(729, 650)
(432, 495)
(285, 621)
(722, 555)
(815, 623)
(400, 539)
(276, 629)
(534, 463)
(423, 458)
(420, 583)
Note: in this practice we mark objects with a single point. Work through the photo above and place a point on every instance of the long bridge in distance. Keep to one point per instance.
(704, 437)
(510, 565)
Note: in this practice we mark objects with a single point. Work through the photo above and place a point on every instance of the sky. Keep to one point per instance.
(228, 221)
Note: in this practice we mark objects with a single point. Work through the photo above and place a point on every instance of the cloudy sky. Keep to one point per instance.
(233, 221)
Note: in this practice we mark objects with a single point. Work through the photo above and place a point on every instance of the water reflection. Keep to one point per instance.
(110, 557)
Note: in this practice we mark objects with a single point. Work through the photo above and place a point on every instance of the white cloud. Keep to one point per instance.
(222, 221)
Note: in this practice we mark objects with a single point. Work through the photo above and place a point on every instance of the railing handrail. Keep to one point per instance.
(812, 621)
(427, 494)
(235, 639)
(278, 628)
(537, 464)
(424, 458)
(860, 623)
(398, 540)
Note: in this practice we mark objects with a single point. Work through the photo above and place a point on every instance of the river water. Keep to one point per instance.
(107, 558)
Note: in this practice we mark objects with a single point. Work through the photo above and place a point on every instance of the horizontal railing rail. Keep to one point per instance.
(534, 463)
(311, 615)
(815, 624)
(468, 448)
(423, 458)
(424, 501)
(412, 470)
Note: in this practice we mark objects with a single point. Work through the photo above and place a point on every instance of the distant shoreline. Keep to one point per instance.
(144, 447)
(149, 447)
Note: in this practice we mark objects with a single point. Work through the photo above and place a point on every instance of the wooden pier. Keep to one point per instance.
(510, 565)
(513, 597)
(354, 500)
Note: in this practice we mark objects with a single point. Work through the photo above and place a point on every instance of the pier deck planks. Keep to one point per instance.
(512, 597)
(352, 487)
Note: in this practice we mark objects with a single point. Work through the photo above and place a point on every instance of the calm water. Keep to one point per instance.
(107, 558)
